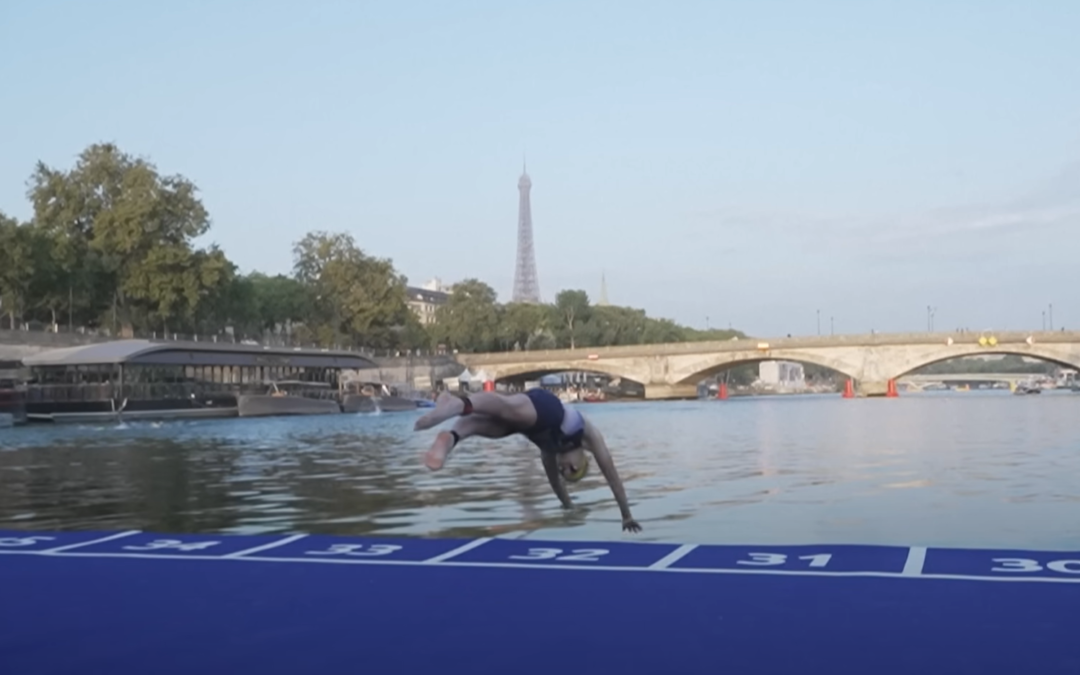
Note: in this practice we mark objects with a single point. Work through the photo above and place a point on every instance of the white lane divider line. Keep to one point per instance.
(118, 535)
(916, 558)
(673, 557)
(459, 550)
(265, 547)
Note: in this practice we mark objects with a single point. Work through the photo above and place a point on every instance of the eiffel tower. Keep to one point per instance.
(526, 285)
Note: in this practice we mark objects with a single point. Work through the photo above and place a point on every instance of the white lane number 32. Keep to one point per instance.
(575, 555)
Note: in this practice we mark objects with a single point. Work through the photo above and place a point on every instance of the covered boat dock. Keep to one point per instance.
(165, 380)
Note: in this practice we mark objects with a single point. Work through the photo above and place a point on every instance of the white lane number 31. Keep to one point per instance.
(771, 559)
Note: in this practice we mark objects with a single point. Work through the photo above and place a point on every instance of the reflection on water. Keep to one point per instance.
(946, 469)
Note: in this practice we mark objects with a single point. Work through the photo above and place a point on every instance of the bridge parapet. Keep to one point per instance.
(870, 360)
(774, 344)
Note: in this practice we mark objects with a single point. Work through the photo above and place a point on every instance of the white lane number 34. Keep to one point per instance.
(173, 544)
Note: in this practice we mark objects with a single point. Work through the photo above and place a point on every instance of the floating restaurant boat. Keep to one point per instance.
(12, 393)
(141, 379)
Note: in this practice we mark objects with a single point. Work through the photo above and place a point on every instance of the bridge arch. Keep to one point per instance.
(1061, 355)
(707, 365)
(534, 370)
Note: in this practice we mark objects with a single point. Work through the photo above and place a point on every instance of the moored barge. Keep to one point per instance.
(146, 380)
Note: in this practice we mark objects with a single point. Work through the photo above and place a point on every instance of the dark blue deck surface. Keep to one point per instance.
(155, 604)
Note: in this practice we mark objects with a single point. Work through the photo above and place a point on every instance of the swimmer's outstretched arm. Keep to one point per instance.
(551, 468)
(594, 442)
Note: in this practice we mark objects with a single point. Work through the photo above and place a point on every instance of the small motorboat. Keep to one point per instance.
(290, 397)
(362, 397)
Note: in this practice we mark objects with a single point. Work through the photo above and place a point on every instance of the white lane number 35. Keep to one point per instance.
(22, 541)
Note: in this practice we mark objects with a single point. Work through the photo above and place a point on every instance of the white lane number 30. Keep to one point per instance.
(1029, 565)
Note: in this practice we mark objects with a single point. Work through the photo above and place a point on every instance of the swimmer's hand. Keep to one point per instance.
(629, 524)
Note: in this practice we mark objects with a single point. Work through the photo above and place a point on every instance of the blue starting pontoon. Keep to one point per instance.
(155, 604)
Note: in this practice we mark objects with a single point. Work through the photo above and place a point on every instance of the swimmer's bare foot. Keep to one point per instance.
(436, 456)
(446, 406)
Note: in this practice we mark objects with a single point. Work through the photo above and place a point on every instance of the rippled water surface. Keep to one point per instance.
(961, 469)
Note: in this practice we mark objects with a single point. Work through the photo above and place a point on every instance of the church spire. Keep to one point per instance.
(603, 291)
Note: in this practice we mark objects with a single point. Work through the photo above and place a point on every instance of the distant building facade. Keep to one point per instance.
(782, 374)
(425, 300)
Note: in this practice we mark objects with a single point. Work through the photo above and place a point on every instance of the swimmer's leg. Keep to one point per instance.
(473, 425)
(514, 409)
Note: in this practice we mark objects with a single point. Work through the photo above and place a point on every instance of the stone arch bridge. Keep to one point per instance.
(673, 370)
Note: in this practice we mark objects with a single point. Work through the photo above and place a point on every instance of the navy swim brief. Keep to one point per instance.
(558, 428)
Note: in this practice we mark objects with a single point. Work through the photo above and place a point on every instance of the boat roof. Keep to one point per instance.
(147, 352)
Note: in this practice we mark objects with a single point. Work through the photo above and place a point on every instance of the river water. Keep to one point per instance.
(971, 469)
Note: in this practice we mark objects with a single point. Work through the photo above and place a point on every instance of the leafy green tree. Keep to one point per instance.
(610, 325)
(115, 216)
(112, 242)
(279, 301)
(658, 331)
(573, 310)
(231, 305)
(469, 321)
(413, 334)
(522, 322)
(355, 296)
(17, 253)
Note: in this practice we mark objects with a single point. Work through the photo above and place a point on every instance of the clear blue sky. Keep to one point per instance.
(749, 162)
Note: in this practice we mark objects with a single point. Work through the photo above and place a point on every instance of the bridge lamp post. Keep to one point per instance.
(831, 326)
(930, 311)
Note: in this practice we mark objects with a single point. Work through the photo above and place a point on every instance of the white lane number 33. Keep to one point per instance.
(365, 550)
